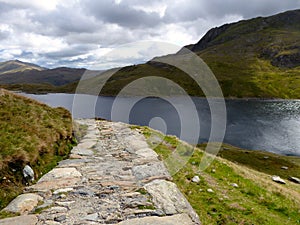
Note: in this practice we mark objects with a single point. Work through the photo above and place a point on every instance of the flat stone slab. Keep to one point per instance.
(86, 144)
(180, 219)
(167, 197)
(23, 203)
(82, 151)
(20, 220)
(153, 169)
(147, 153)
(57, 178)
(135, 143)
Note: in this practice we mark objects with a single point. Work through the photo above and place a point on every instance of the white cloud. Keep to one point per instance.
(78, 32)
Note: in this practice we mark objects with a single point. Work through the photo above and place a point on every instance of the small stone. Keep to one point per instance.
(284, 168)
(58, 209)
(210, 190)
(28, 173)
(196, 179)
(234, 185)
(295, 179)
(266, 157)
(213, 170)
(60, 218)
(277, 179)
(62, 190)
(65, 203)
(91, 217)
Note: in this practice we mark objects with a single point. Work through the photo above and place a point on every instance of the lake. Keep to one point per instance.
(271, 125)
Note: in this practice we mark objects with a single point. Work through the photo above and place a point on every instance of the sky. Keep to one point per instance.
(101, 34)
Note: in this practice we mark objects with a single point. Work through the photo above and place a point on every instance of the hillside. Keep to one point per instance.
(234, 189)
(56, 77)
(31, 134)
(14, 66)
(255, 58)
(259, 57)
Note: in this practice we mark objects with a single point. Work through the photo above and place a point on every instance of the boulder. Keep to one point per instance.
(23, 203)
(28, 173)
(278, 179)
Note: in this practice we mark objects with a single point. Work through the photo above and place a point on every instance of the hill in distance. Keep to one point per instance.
(14, 66)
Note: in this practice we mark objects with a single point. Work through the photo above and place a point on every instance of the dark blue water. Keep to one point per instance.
(271, 125)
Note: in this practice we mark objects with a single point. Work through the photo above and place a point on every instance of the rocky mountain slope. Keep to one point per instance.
(259, 57)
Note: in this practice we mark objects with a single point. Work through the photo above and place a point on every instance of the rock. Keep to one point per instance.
(277, 179)
(210, 190)
(196, 179)
(180, 219)
(62, 190)
(66, 204)
(57, 209)
(213, 170)
(234, 185)
(82, 151)
(166, 196)
(28, 173)
(20, 220)
(266, 157)
(23, 203)
(60, 218)
(154, 169)
(57, 178)
(295, 179)
(91, 217)
(284, 168)
(147, 153)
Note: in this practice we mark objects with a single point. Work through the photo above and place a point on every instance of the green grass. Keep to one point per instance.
(262, 161)
(254, 201)
(31, 133)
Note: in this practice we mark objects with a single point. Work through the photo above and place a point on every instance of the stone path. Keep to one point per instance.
(111, 177)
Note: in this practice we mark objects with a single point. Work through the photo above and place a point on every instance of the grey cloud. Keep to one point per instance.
(121, 14)
(85, 25)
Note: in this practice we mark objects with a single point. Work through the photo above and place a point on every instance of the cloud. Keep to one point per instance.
(78, 33)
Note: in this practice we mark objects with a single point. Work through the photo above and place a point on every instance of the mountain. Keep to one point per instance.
(14, 66)
(21, 76)
(258, 57)
(56, 77)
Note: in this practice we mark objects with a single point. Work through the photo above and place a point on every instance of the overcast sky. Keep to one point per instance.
(80, 33)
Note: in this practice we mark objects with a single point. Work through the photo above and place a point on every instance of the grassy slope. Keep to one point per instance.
(257, 200)
(31, 133)
(242, 72)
